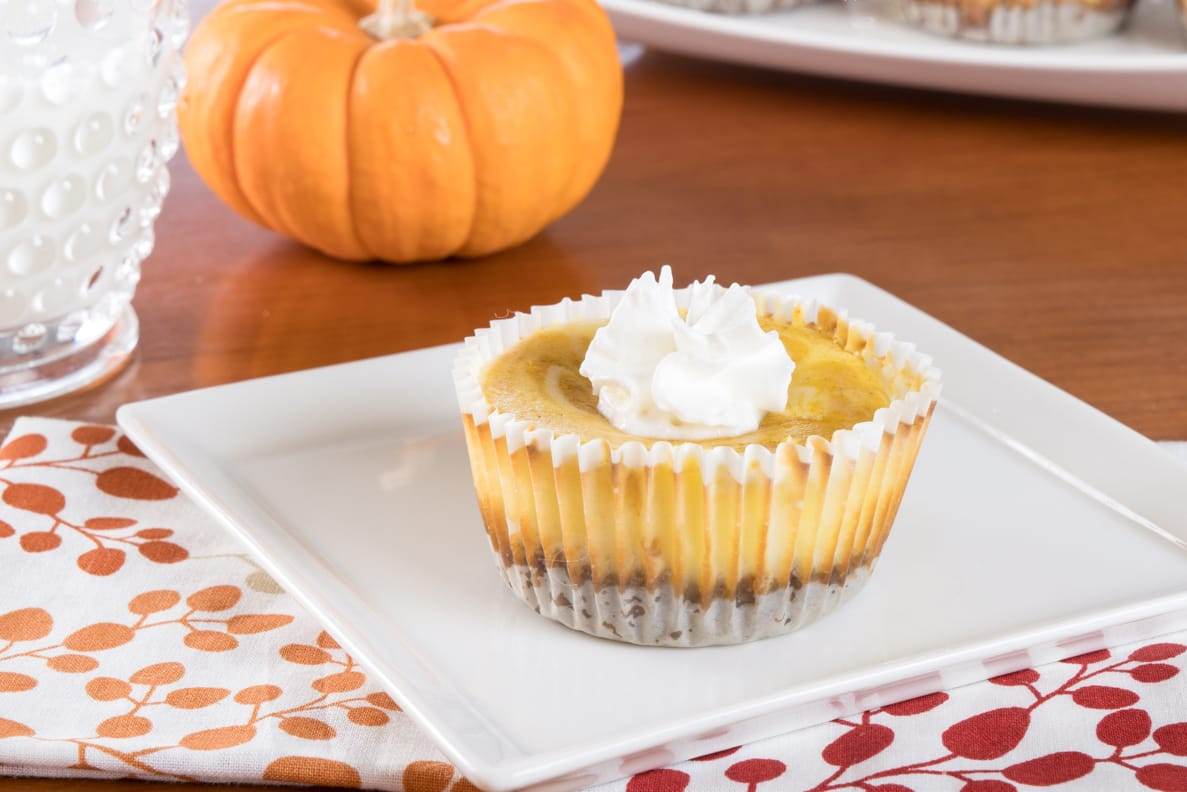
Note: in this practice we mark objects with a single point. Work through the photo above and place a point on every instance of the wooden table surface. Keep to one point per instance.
(1054, 235)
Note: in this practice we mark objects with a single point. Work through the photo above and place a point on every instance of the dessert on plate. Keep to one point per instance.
(1010, 21)
(686, 467)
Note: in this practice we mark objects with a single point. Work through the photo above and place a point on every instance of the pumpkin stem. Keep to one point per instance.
(396, 19)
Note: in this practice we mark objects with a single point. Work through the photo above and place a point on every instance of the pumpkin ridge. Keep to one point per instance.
(412, 164)
(467, 249)
(282, 213)
(429, 42)
(231, 180)
(266, 221)
(592, 13)
(244, 8)
(349, 155)
(562, 190)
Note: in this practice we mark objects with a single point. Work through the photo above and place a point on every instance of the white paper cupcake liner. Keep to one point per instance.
(682, 544)
(1010, 21)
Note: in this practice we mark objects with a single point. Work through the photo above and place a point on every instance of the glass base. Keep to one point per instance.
(89, 365)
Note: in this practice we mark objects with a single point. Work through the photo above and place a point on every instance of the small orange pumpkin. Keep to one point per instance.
(405, 134)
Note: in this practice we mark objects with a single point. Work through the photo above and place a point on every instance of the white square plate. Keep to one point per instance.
(1034, 528)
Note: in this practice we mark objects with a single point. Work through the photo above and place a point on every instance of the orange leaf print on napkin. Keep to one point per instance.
(138, 640)
(98, 458)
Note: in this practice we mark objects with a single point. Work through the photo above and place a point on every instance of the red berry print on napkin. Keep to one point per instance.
(1124, 728)
(1166, 777)
(753, 772)
(860, 743)
(988, 735)
(1153, 672)
(1054, 768)
(658, 781)
(1088, 658)
(1027, 676)
(916, 706)
(1104, 697)
(1156, 652)
(1172, 738)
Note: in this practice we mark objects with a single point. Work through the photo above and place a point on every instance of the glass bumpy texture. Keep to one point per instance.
(88, 91)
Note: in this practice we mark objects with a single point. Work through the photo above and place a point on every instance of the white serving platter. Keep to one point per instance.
(1145, 66)
(1034, 528)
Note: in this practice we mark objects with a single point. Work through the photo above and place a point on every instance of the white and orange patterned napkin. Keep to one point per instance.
(137, 639)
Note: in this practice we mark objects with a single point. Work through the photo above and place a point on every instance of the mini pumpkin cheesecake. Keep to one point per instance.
(689, 467)
(1025, 22)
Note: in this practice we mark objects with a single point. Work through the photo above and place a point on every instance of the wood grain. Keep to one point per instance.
(1054, 235)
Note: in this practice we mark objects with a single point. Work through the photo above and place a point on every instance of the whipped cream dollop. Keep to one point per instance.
(710, 373)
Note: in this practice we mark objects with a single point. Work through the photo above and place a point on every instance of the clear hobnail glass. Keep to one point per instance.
(88, 91)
